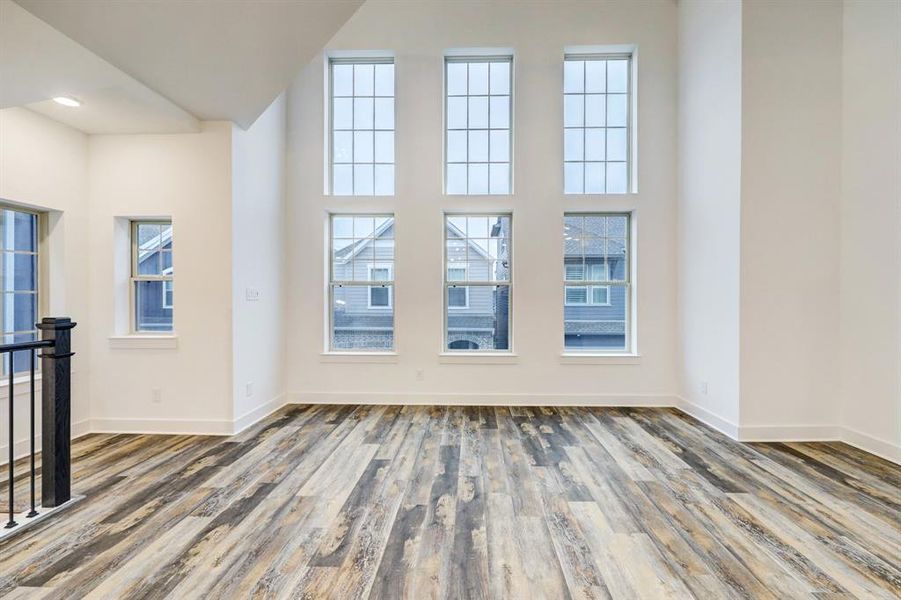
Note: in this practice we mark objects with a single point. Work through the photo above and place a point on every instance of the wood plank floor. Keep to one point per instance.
(465, 502)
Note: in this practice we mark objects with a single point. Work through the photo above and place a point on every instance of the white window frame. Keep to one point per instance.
(466, 59)
(332, 283)
(465, 288)
(387, 267)
(467, 284)
(330, 186)
(629, 328)
(136, 277)
(38, 280)
(167, 291)
(629, 127)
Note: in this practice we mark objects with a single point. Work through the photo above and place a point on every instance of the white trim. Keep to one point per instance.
(358, 357)
(491, 399)
(257, 414)
(707, 417)
(143, 342)
(599, 358)
(163, 426)
(881, 448)
(478, 357)
(795, 433)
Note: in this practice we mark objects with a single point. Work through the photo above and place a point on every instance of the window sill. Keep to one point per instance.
(143, 342)
(358, 357)
(478, 358)
(597, 358)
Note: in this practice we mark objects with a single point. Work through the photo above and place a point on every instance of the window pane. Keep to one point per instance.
(364, 227)
(478, 178)
(594, 110)
(594, 178)
(384, 180)
(471, 111)
(478, 78)
(342, 113)
(478, 113)
(573, 76)
(456, 178)
(363, 146)
(149, 262)
(19, 312)
(573, 110)
(384, 146)
(499, 178)
(478, 146)
(363, 180)
(456, 79)
(149, 234)
(384, 113)
(150, 312)
(342, 146)
(500, 78)
(617, 75)
(384, 80)
(500, 112)
(363, 80)
(616, 144)
(616, 110)
(19, 271)
(456, 113)
(356, 326)
(595, 76)
(342, 80)
(595, 316)
(572, 144)
(616, 178)
(484, 324)
(594, 144)
(363, 113)
(572, 177)
(342, 180)
(20, 231)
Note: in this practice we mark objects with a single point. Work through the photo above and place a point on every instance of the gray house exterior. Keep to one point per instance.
(154, 299)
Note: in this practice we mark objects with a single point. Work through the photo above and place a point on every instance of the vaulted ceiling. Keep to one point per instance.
(214, 59)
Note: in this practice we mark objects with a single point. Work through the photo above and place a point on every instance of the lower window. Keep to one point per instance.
(19, 275)
(596, 283)
(477, 281)
(361, 283)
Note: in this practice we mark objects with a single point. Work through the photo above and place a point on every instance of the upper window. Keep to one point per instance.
(19, 310)
(152, 276)
(596, 124)
(361, 282)
(596, 282)
(478, 125)
(477, 282)
(362, 127)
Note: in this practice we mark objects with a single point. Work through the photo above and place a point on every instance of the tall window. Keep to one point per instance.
(596, 282)
(361, 282)
(596, 124)
(152, 276)
(19, 243)
(362, 127)
(478, 125)
(477, 282)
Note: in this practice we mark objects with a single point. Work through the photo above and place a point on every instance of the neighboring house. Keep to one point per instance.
(155, 299)
(595, 316)
(364, 315)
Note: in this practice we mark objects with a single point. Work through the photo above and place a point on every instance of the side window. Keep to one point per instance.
(152, 276)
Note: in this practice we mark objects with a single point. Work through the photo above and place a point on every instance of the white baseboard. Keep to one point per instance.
(414, 398)
(163, 426)
(792, 433)
(881, 448)
(708, 418)
(22, 447)
(258, 413)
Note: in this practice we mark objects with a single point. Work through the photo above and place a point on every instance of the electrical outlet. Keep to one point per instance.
(156, 395)
(704, 387)
(248, 389)
(252, 294)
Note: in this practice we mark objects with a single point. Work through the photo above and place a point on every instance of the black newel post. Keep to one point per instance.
(56, 426)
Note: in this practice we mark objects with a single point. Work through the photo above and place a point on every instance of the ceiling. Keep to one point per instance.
(37, 63)
(216, 59)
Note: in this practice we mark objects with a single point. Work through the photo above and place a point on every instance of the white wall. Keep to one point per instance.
(710, 207)
(791, 186)
(258, 239)
(871, 226)
(43, 165)
(187, 177)
(419, 33)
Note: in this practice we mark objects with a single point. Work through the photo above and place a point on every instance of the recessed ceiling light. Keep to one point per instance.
(67, 101)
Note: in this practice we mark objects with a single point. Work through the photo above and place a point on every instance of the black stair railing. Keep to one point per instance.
(56, 427)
